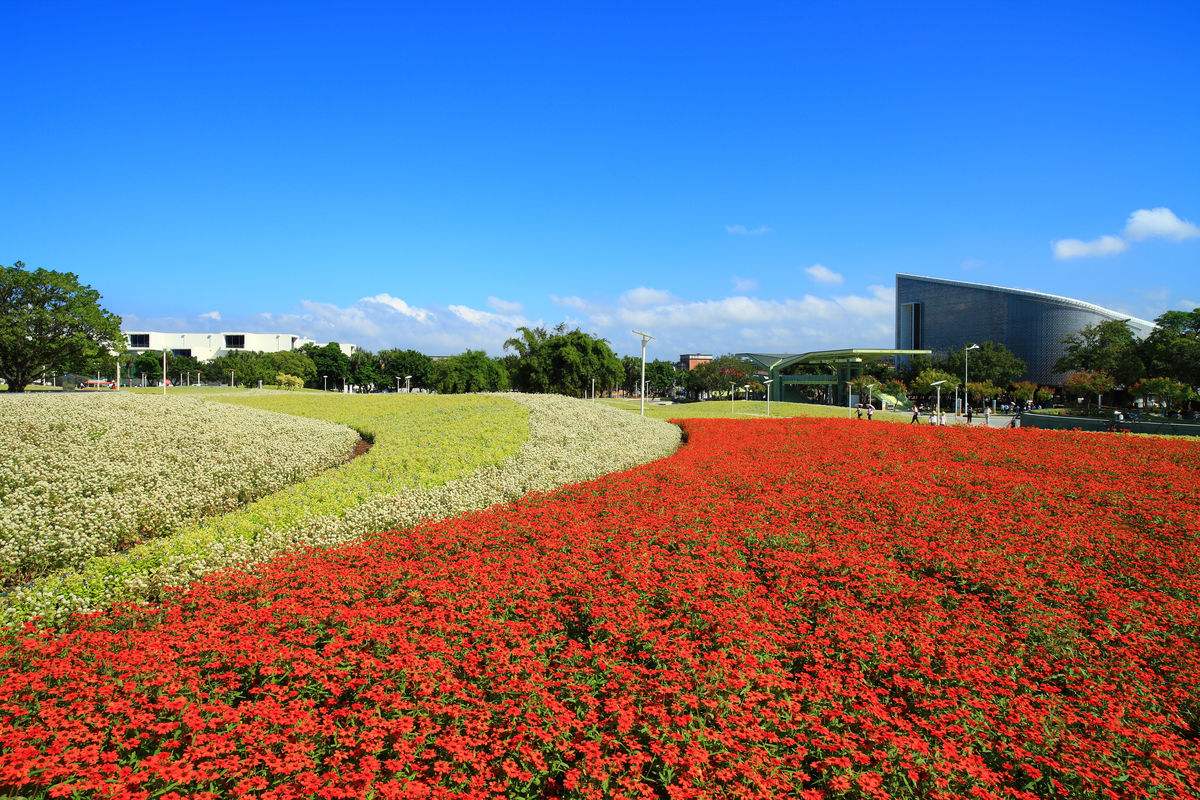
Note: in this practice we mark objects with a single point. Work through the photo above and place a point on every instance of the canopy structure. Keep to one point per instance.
(837, 369)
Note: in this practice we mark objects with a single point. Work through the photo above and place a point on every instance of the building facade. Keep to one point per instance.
(943, 315)
(689, 361)
(206, 346)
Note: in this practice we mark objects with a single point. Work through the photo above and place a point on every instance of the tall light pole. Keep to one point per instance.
(645, 340)
(397, 384)
(849, 397)
(408, 384)
(325, 383)
(869, 388)
(768, 383)
(732, 395)
(230, 379)
(164, 370)
(966, 373)
(938, 416)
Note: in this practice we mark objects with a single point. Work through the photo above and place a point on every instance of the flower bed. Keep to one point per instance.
(783, 608)
(88, 475)
(433, 457)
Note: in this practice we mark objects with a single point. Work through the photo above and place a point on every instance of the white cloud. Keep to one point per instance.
(399, 306)
(213, 315)
(1076, 248)
(742, 230)
(744, 284)
(504, 306)
(645, 296)
(823, 274)
(1159, 223)
(570, 301)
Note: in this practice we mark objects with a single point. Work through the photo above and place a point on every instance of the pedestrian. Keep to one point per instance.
(916, 419)
(987, 415)
(858, 412)
(1012, 423)
(870, 411)
(932, 421)
(969, 415)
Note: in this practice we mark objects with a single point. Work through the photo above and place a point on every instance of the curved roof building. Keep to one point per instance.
(943, 315)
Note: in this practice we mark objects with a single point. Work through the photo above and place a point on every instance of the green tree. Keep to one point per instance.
(329, 361)
(294, 362)
(1024, 391)
(147, 363)
(1172, 393)
(991, 363)
(982, 391)
(922, 384)
(661, 377)
(1110, 347)
(562, 361)
(398, 363)
(51, 321)
(365, 369)
(1087, 384)
(1172, 350)
(716, 376)
(471, 371)
(1044, 395)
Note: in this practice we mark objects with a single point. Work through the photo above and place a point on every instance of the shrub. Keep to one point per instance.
(289, 382)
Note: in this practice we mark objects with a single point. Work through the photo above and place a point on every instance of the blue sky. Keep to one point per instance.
(729, 176)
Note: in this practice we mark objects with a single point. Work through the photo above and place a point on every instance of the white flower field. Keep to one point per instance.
(86, 475)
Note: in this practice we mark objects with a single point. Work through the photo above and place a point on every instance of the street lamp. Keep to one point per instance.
(408, 384)
(645, 340)
(732, 395)
(870, 386)
(966, 381)
(938, 384)
(768, 383)
(849, 397)
(325, 383)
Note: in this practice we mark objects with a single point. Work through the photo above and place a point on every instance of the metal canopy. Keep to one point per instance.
(844, 364)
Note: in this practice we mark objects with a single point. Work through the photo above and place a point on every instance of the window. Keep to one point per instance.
(185, 352)
(911, 325)
(139, 340)
(235, 341)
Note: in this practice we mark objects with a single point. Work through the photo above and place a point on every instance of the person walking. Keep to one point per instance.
(870, 411)
(916, 419)
(858, 411)
(987, 415)
(969, 415)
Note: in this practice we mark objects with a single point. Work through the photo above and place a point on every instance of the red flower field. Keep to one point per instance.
(812, 608)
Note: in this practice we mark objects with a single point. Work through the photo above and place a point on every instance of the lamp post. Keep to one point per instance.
(768, 383)
(325, 383)
(164, 370)
(849, 397)
(870, 386)
(645, 340)
(966, 380)
(938, 416)
(408, 384)
(230, 379)
(732, 394)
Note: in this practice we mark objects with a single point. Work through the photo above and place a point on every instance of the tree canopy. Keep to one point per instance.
(992, 363)
(562, 361)
(472, 371)
(51, 321)
(1110, 347)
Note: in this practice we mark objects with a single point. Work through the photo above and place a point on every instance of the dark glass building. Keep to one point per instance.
(943, 315)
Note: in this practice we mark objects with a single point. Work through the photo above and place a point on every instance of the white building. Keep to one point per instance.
(205, 346)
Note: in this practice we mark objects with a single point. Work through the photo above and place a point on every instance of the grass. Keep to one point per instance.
(418, 441)
(746, 409)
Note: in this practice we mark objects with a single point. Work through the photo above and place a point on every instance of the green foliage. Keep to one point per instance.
(922, 384)
(716, 376)
(289, 382)
(1109, 347)
(49, 320)
(992, 363)
(329, 362)
(562, 361)
(1088, 385)
(982, 391)
(1043, 395)
(1172, 393)
(1024, 391)
(395, 364)
(740, 409)
(365, 369)
(471, 371)
(1172, 350)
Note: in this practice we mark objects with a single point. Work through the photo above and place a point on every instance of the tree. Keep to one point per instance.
(1110, 347)
(991, 363)
(562, 361)
(51, 321)
(1172, 350)
(294, 362)
(364, 369)
(1024, 391)
(660, 377)
(1043, 395)
(1088, 384)
(922, 384)
(330, 361)
(1172, 393)
(289, 382)
(399, 363)
(471, 371)
(716, 376)
(982, 391)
